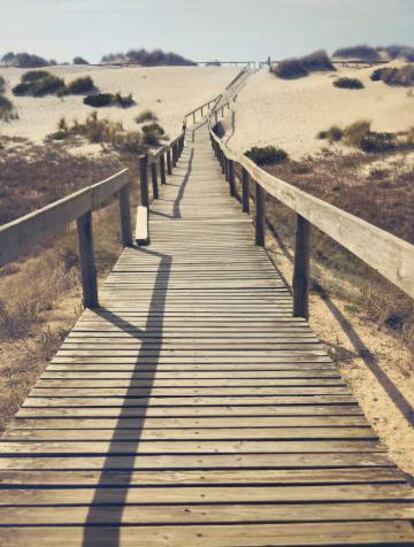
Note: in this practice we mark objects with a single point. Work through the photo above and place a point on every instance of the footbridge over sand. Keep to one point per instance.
(192, 404)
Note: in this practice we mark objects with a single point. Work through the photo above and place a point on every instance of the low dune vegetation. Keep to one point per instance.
(348, 83)
(39, 83)
(101, 100)
(360, 135)
(303, 66)
(146, 116)
(266, 155)
(7, 109)
(361, 51)
(153, 134)
(402, 76)
(142, 57)
(79, 61)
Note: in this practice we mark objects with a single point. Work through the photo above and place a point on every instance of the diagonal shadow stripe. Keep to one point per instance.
(154, 323)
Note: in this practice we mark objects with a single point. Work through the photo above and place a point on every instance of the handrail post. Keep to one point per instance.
(154, 178)
(230, 168)
(143, 177)
(216, 116)
(169, 164)
(222, 161)
(162, 168)
(301, 276)
(259, 217)
(194, 117)
(174, 155)
(245, 191)
(87, 261)
(125, 213)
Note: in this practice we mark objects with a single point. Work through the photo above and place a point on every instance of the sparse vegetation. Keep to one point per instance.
(146, 116)
(7, 110)
(333, 134)
(396, 51)
(403, 76)
(81, 86)
(39, 84)
(364, 52)
(153, 133)
(348, 83)
(148, 58)
(302, 66)
(267, 155)
(359, 135)
(101, 100)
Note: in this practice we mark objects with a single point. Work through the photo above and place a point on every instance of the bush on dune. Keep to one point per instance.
(81, 86)
(39, 84)
(403, 76)
(333, 134)
(302, 66)
(24, 60)
(267, 155)
(359, 135)
(153, 133)
(143, 57)
(396, 51)
(101, 100)
(7, 111)
(363, 51)
(2, 84)
(348, 83)
(146, 116)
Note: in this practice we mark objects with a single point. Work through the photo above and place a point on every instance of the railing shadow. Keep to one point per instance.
(154, 323)
(371, 362)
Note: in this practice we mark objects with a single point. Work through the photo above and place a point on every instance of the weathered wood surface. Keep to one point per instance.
(391, 256)
(191, 408)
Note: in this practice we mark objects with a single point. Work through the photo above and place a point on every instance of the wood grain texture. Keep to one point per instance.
(192, 408)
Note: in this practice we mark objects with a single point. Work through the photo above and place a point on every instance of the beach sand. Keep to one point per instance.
(169, 91)
(290, 113)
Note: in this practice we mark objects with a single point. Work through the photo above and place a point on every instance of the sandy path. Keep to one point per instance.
(170, 91)
(289, 113)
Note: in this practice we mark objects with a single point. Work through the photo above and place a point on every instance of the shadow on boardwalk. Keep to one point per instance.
(153, 325)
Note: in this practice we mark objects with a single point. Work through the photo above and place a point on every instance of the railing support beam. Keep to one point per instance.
(245, 191)
(143, 178)
(301, 275)
(169, 163)
(162, 169)
(232, 185)
(259, 217)
(87, 261)
(154, 179)
(125, 212)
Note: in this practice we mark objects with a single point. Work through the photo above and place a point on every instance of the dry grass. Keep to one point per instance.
(35, 317)
(375, 197)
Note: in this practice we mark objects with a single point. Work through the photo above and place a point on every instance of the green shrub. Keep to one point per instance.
(333, 134)
(375, 142)
(146, 116)
(348, 83)
(355, 133)
(267, 155)
(7, 111)
(403, 76)
(81, 86)
(108, 99)
(153, 133)
(301, 66)
(358, 52)
(33, 75)
(80, 61)
(36, 84)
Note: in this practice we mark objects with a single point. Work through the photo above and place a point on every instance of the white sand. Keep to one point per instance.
(290, 113)
(169, 91)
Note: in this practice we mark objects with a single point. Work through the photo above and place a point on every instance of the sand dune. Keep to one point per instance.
(290, 113)
(170, 91)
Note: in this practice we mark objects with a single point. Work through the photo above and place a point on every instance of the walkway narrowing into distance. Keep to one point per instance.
(192, 409)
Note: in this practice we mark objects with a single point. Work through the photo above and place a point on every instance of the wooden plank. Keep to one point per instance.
(141, 232)
(393, 532)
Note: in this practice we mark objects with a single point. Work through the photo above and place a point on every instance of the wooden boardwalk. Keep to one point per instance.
(191, 409)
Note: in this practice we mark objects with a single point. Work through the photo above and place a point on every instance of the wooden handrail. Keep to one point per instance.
(389, 255)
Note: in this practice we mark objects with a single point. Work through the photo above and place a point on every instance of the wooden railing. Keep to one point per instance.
(20, 235)
(387, 254)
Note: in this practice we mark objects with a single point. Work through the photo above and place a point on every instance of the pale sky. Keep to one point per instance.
(201, 30)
